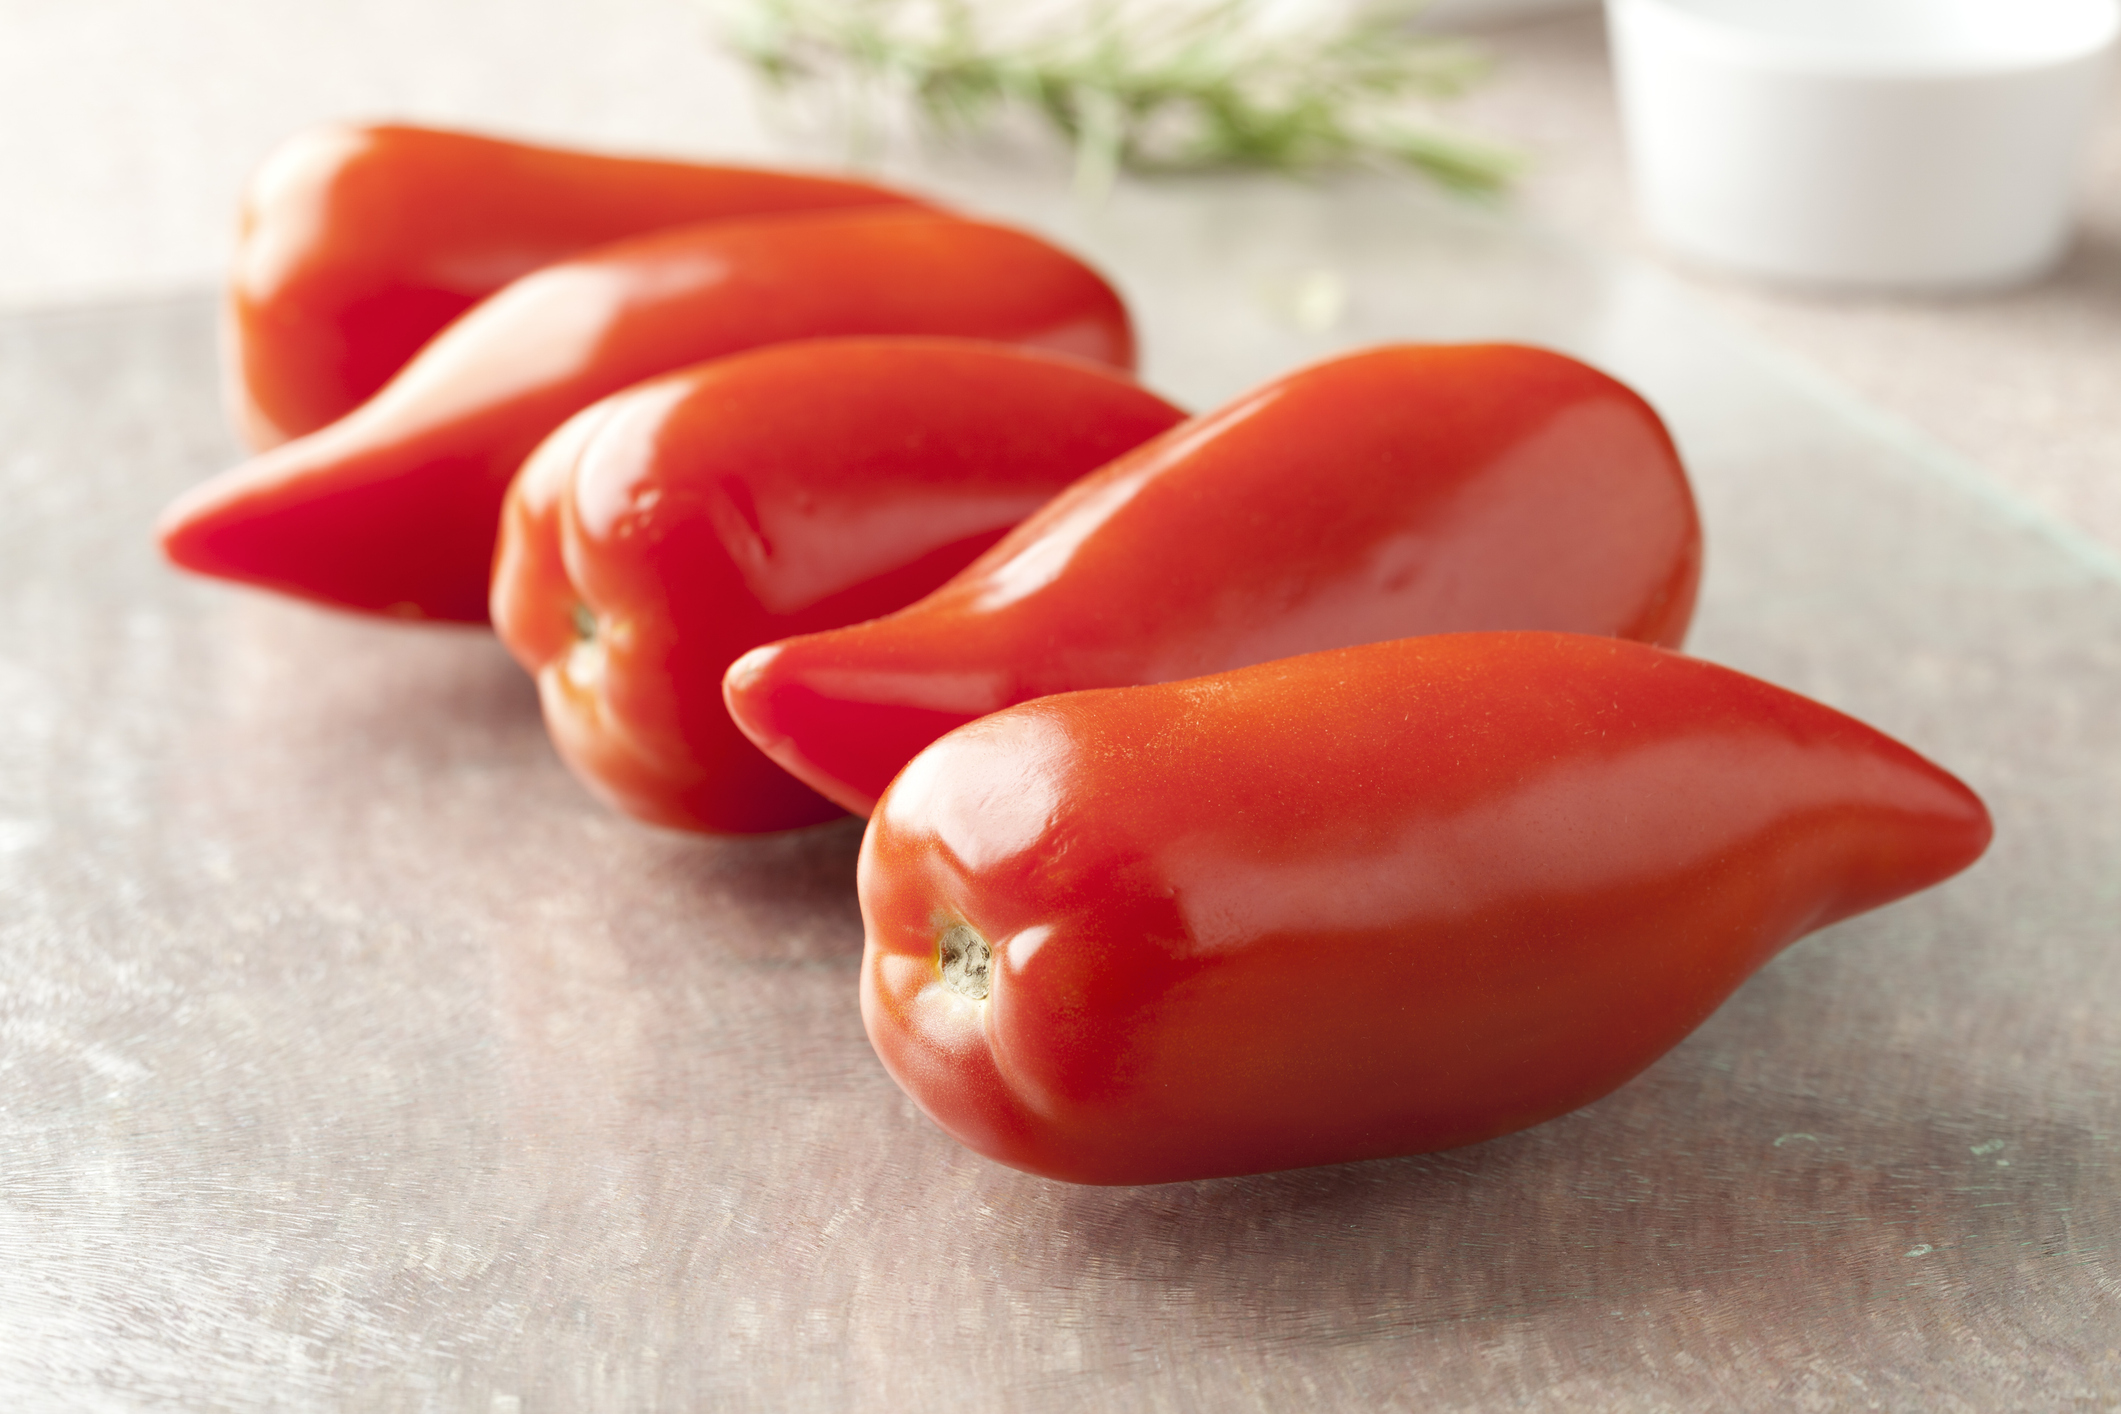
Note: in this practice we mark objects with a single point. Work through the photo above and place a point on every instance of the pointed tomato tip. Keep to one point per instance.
(237, 526)
(747, 673)
(1977, 829)
(838, 719)
(746, 692)
(199, 530)
(1959, 825)
(1931, 827)
(315, 522)
(800, 730)
(753, 689)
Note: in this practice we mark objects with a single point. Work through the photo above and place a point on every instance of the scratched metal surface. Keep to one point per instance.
(350, 1057)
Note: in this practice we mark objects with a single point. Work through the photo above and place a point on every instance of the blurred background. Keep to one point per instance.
(128, 126)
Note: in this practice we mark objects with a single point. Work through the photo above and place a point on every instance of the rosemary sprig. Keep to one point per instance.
(1143, 84)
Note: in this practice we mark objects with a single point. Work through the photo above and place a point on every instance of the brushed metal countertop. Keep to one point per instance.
(352, 1057)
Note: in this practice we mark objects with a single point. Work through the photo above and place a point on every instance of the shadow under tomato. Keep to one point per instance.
(1694, 1209)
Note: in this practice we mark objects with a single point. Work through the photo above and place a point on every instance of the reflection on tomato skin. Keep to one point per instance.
(1498, 877)
(1402, 490)
(359, 243)
(393, 509)
(669, 528)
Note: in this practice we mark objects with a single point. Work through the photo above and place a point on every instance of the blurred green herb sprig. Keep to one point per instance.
(1144, 84)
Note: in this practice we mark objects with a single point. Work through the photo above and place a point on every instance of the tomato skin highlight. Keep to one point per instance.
(359, 243)
(786, 490)
(394, 508)
(1403, 490)
(1369, 902)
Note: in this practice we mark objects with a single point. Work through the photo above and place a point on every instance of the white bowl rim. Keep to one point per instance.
(1682, 21)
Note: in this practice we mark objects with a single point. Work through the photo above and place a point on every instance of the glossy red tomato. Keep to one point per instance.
(393, 509)
(359, 243)
(1374, 901)
(1398, 491)
(668, 528)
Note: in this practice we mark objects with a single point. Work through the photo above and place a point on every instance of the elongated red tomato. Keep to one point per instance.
(668, 528)
(358, 243)
(393, 509)
(1398, 491)
(1374, 901)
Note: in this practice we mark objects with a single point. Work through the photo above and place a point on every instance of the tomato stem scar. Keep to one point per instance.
(963, 956)
(585, 621)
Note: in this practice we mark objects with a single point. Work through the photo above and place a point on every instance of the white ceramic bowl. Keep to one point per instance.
(1882, 143)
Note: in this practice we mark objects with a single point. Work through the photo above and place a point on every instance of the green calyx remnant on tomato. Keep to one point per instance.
(585, 622)
(964, 959)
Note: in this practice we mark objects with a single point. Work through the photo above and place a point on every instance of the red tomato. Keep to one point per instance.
(393, 509)
(1375, 901)
(1399, 491)
(358, 244)
(667, 529)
